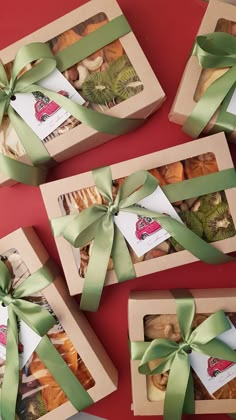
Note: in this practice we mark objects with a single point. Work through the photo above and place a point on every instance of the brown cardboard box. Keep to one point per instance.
(195, 80)
(23, 254)
(82, 137)
(146, 399)
(62, 197)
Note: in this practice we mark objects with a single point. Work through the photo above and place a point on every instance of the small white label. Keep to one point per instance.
(28, 339)
(215, 373)
(144, 233)
(39, 112)
(232, 105)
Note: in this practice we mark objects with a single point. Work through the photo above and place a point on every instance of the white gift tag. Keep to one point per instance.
(39, 112)
(144, 233)
(28, 339)
(215, 373)
(232, 105)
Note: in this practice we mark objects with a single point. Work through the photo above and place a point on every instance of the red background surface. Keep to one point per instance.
(165, 30)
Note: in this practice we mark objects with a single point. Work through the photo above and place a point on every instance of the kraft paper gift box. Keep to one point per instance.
(220, 16)
(138, 102)
(152, 314)
(39, 395)
(190, 160)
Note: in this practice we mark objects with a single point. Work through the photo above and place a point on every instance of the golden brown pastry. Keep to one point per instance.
(52, 395)
(156, 173)
(174, 172)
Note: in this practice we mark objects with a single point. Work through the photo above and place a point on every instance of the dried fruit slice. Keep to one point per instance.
(97, 88)
(209, 201)
(219, 224)
(192, 222)
(116, 66)
(127, 83)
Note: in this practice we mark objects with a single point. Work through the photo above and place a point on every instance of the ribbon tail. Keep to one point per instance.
(121, 257)
(100, 122)
(189, 406)
(98, 263)
(21, 172)
(188, 239)
(176, 392)
(63, 375)
(11, 374)
(33, 146)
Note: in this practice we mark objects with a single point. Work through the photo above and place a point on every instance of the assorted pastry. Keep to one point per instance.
(38, 391)
(208, 216)
(167, 327)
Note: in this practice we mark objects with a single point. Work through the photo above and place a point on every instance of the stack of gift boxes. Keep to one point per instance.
(85, 79)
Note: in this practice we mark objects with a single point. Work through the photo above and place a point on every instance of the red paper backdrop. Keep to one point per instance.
(165, 30)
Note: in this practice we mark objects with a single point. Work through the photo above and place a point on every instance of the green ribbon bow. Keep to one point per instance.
(215, 50)
(44, 64)
(97, 223)
(179, 397)
(40, 321)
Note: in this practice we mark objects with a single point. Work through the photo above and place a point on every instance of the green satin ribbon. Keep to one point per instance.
(215, 50)
(40, 321)
(179, 397)
(97, 223)
(45, 64)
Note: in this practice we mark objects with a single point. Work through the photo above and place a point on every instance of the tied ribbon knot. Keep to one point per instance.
(113, 209)
(216, 50)
(185, 347)
(40, 321)
(175, 356)
(97, 224)
(43, 63)
(7, 299)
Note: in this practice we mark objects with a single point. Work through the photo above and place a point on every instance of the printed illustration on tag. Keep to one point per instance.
(41, 113)
(144, 233)
(27, 342)
(213, 372)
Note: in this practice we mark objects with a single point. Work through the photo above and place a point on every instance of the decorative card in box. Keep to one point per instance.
(104, 72)
(164, 318)
(185, 174)
(205, 100)
(73, 359)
